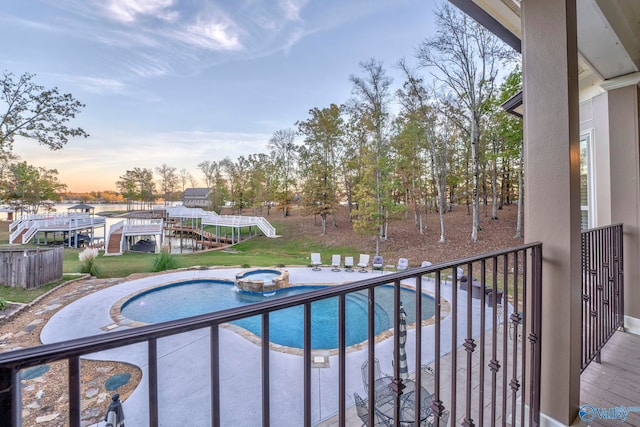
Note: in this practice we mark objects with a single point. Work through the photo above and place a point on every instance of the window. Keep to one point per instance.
(587, 199)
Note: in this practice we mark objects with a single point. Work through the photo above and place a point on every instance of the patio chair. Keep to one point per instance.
(377, 263)
(444, 420)
(403, 264)
(362, 409)
(363, 263)
(348, 264)
(316, 261)
(377, 373)
(335, 262)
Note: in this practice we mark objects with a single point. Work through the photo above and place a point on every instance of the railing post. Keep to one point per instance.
(535, 335)
(10, 412)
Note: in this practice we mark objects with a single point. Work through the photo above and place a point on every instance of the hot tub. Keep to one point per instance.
(262, 280)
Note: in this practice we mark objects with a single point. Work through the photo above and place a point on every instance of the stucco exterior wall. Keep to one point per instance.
(624, 118)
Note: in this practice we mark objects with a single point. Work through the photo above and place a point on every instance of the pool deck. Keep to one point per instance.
(183, 361)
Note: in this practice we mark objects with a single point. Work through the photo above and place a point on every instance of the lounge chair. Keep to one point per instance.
(335, 262)
(426, 264)
(403, 264)
(316, 261)
(459, 274)
(348, 264)
(363, 263)
(377, 263)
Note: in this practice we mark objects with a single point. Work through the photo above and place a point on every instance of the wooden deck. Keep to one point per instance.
(616, 380)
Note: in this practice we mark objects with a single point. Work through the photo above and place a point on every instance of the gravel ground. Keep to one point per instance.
(44, 391)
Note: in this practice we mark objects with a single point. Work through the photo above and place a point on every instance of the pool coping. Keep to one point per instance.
(120, 320)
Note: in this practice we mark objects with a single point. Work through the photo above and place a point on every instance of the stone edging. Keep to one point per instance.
(120, 320)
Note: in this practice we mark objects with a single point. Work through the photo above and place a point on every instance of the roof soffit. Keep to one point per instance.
(598, 39)
(507, 12)
(608, 33)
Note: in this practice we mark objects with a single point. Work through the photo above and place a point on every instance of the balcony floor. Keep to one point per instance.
(446, 395)
(612, 383)
(615, 381)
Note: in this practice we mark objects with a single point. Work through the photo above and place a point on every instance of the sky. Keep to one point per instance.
(177, 82)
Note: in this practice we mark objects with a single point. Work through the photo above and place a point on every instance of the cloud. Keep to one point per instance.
(211, 34)
(147, 66)
(126, 39)
(130, 10)
(99, 85)
(34, 25)
(292, 8)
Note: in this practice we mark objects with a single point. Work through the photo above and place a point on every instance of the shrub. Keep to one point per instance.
(88, 261)
(165, 261)
(3, 304)
(245, 266)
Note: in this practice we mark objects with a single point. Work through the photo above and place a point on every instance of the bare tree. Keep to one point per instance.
(209, 170)
(371, 96)
(185, 178)
(168, 181)
(467, 58)
(416, 101)
(284, 155)
(193, 182)
(520, 192)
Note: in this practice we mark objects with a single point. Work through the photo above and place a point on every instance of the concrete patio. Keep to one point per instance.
(183, 361)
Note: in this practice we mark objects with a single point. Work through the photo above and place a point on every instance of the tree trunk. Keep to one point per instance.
(438, 171)
(520, 195)
(475, 157)
(494, 190)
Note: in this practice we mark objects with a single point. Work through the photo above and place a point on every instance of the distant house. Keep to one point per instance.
(196, 198)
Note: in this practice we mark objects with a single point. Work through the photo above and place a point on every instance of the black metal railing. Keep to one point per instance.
(476, 362)
(602, 289)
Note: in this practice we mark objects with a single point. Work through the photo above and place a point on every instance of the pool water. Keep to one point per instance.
(191, 298)
(267, 276)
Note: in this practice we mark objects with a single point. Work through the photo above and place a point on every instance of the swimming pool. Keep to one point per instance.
(191, 298)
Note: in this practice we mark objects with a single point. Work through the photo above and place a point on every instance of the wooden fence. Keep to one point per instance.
(30, 268)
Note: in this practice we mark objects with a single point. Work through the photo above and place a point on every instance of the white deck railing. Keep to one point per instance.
(212, 218)
(51, 222)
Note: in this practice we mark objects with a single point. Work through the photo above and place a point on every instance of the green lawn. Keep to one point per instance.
(260, 251)
(27, 295)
